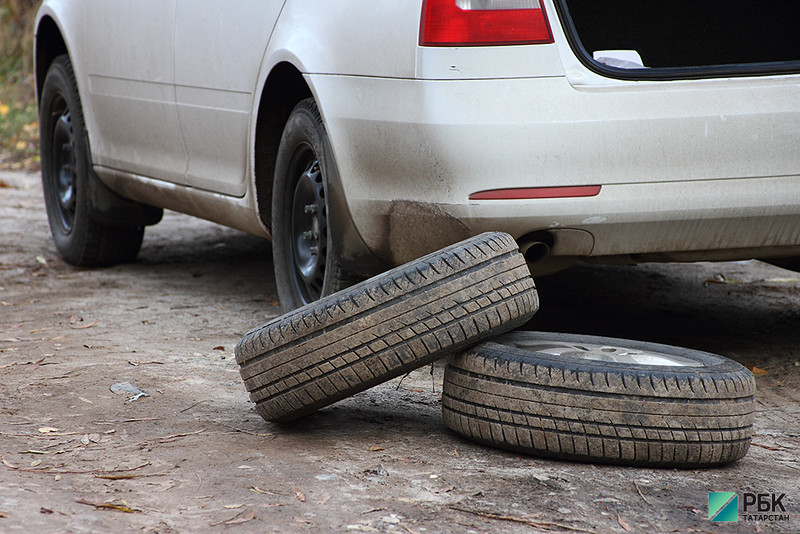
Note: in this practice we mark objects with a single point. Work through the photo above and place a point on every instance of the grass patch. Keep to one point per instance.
(19, 129)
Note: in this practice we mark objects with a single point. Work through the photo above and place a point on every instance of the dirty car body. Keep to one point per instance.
(584, 132)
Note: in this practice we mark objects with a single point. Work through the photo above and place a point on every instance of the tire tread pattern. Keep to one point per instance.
(536, 405)
(386, 326)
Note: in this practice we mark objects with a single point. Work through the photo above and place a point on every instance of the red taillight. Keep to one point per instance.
(483, 22)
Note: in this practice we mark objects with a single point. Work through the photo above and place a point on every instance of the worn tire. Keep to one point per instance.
(386, 326)
(517, 393)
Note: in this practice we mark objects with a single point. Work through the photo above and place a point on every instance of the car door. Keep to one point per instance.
(131, 87)
(219, 48)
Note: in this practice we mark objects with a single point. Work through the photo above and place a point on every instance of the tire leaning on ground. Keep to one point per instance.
(386, 326)
(601, 399)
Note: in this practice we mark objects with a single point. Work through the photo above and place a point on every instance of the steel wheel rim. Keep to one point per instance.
(309, 226)
(62, 179)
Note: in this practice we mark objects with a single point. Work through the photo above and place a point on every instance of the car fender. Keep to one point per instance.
(68, 18)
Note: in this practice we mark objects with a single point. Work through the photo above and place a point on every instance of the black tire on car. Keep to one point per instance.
(303, 250)
(576, 397)
(79, 237)
(386, 326)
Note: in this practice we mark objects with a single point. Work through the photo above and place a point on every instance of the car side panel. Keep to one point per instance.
(219, 49)
(348, 37)
(129, 68)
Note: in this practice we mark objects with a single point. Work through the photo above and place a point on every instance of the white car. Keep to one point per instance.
(360, 134)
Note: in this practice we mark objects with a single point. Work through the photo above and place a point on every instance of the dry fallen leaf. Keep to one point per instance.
(119, 505)
(242, 519)
(757, 371)
(85, 326)
(47, 430)
(377, 448)
(299, 495)
(623, 524)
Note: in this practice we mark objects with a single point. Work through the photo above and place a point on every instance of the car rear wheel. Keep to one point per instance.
(304, 254)
(80, 238)
(601, 399)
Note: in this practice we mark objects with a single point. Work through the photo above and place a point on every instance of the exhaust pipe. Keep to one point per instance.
(535, 247)
(534, 251)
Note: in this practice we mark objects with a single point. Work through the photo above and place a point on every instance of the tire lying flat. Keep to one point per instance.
(386, 326)
(585, 398)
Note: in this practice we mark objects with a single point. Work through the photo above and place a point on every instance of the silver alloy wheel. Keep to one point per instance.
(603, 353)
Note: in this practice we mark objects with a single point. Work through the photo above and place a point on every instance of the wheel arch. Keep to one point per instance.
(283, 89)
(49, 44)
(106, 206)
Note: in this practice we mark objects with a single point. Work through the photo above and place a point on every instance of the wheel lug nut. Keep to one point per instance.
(311, 208)
(308, 235)
(313, 250)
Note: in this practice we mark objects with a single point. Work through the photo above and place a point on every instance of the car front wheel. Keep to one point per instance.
(80, 238)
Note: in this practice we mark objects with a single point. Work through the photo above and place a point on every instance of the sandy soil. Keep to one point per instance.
(192, 456)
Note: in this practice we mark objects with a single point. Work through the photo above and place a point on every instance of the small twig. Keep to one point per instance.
(135, 420)
(111, 506)
(768, 447)
(68, 472)
(127, 477)
(635, 483)
(192, 406)
(401, 381)
(173, 437)
(238, 519)
(264, 435)
(373, 511)
(524, 521)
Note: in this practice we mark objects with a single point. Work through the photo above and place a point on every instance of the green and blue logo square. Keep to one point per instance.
(723, 506)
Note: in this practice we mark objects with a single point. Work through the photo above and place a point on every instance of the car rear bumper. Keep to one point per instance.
(699, 165)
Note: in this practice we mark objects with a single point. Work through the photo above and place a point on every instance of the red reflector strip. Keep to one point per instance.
(537, 192)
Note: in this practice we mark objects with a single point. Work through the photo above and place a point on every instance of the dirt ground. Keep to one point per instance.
(192, 455)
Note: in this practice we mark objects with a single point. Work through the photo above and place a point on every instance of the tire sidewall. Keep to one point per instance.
(60, 83)
(304, 129)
